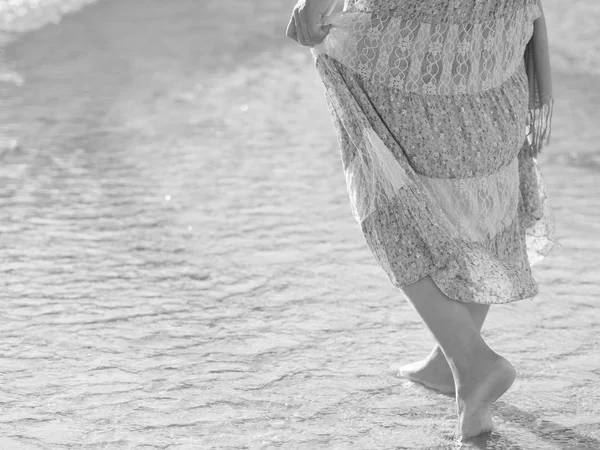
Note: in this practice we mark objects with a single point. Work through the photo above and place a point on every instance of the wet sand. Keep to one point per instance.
(181, 267)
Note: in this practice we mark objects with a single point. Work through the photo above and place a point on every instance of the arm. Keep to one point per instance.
(305, 24)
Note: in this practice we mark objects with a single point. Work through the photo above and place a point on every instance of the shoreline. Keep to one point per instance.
(576, 111)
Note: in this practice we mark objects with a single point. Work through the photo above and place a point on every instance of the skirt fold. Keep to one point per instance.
(469, 212)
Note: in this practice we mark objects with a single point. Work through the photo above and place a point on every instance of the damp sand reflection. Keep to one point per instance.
(181, 268)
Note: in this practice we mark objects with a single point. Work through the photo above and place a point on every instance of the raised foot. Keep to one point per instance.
(487, 384)
(433, 372)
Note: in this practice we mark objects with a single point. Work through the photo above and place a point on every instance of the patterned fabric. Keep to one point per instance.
(430, 101)
(414, 49)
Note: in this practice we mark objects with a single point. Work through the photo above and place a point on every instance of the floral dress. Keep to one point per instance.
(429, 99)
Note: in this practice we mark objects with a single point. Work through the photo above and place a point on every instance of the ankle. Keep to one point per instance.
(475, 362)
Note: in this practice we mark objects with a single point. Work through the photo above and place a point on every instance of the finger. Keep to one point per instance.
(322, 35)
(301, 29)
(291, 30)
(314, 27)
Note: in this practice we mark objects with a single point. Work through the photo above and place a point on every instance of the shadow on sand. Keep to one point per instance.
(551, 433)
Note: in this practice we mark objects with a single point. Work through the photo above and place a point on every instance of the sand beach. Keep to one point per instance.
(181, 269)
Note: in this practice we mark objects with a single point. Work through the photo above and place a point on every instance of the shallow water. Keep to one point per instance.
(181, 268)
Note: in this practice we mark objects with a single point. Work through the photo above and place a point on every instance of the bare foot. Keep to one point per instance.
(485, 384)
(433, 372)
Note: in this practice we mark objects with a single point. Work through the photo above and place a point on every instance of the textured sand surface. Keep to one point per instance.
(180, 267)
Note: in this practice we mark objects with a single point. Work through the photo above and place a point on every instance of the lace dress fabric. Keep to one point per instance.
(430, 100)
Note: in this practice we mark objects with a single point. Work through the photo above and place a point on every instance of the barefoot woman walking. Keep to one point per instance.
(440, 108)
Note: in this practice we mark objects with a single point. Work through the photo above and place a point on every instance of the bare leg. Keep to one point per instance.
(481, 376)
(434, 371)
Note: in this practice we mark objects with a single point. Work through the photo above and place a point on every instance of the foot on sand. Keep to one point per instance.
(485, 384)
(433, 372)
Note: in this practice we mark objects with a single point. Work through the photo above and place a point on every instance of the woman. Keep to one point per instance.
(441, 107)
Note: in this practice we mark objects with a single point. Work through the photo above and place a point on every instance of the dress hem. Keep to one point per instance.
(550, 246)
